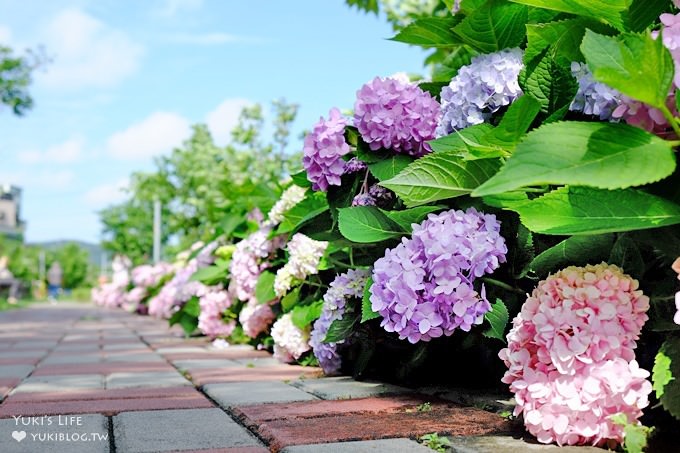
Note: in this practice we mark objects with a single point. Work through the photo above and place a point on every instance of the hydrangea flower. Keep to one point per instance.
(671, 39)
(593, 98)
(255, 318)
(577, 409)
(323, 150)
(289, 341)
(304, 258)
(376, 196)
(247, 263)
(480, 89)
(354, 165)
(423, 288)
(393, 114)
(344, 286)
(210, 320)
(570, 355)
(676, 268)
(290, 197)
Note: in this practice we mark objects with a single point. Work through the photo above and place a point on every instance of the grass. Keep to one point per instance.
(22, 303)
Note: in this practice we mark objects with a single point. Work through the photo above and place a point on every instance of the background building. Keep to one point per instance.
(11, 224)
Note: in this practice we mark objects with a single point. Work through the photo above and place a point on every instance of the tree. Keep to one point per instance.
(74, 262)
(15, 78)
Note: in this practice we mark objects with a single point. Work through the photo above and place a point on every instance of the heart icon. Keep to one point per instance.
(19, 435)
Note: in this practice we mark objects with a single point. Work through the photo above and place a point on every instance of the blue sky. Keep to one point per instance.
(129, 77)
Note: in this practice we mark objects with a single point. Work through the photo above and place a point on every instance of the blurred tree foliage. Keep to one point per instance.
(74, 261)
(15, 78)
(200, 184)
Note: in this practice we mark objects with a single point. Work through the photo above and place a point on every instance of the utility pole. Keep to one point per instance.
(41, 265)
(156, 231)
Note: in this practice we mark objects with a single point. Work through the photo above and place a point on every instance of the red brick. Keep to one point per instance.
(100, 368)
(234, 354)
(201, 376)
(103, 406)
(325, 425)
(20, 361)
(98, 394)
(231, 450)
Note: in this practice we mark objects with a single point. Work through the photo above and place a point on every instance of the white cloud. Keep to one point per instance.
(69, 151)
(87, 52)
(158, 133)
(222, 120)
(44, 179)
(5, 35)
(210, 39)
(106, 194)
(171, 8)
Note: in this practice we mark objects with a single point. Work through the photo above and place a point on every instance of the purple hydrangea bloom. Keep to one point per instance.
(423, 288)
(480, 89)
(323, 150)
(393, 114)
(363, 199)
(593, 98)
(354, 165)
(347, 285)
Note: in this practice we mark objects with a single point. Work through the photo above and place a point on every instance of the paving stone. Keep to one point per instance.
(15, 371)
(20, 361)
(57, 383)
(259, 362)
(508, 444)
(216, 354)
(122, 346)
(87, 433)
(180, 350)
(365, 446)
(202, 376)
(141, 357)
(145, 379)
(103, 368)
(338, 388)
(22, 354)
(205, 363)
(200, 429)
(245, 393)
(70, 359)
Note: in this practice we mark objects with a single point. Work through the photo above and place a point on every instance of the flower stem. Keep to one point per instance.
(671, 120)
(503, 285)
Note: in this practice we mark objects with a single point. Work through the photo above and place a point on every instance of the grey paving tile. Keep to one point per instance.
(364, 446)
(145, 379)
(205, 363)
(76, 358)
(259, 362)
(244, 393)
(136, 357)
(180, 350)
(176, 430)
(337, 388)
(55, 434)
(60, 383)
(15, 371)
(507, 444)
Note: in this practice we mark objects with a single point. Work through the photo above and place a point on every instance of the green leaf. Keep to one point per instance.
(550, 83)
(290, 299)
(498, 319)
(210, 275)
(341, 328)
(188, 323)
(603, 155)
(634, 64)
(523, 253)
(304, 315)
(367, 312)
(666, 376)
(634, 435)
(494, 26)
(506, 200)
(573, 251)
(300, 179)
(192, 307)
(388, 168)
(230, 222)
(610, 12)
(627, 256)
(515, 123)
(264, 289)
(438, 176)
(562, 38)
(408, 217)
(434, 88)
(311, 206)
(365, 224)
(582, 210)
(643, 13)
(430, 32)
(463, 141)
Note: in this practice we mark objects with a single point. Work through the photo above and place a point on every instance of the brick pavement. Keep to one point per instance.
(78, 378)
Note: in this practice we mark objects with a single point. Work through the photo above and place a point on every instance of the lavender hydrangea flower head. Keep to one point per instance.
(393, 114)
(480, 89)
(345, 286)
(593, 98)
(323, 150)
(423, 288)
(355, 165)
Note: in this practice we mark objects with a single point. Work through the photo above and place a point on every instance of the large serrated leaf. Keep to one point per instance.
(408, 217)
(666, 376)
(494, 26)
(610, 12)
(366, 224)
(264, 289)
(635, 64)
(627, 256)
(390, 167)
(573, 251)
(367, 312)
(583, 210)
(550, 83)
(430, 32)
(603, 155)
(498, 319)
(438, 176)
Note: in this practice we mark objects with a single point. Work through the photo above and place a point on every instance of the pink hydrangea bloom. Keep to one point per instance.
(210, 320)
(255, 318)
(571, 351)
(247, 263)
(676, 268)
